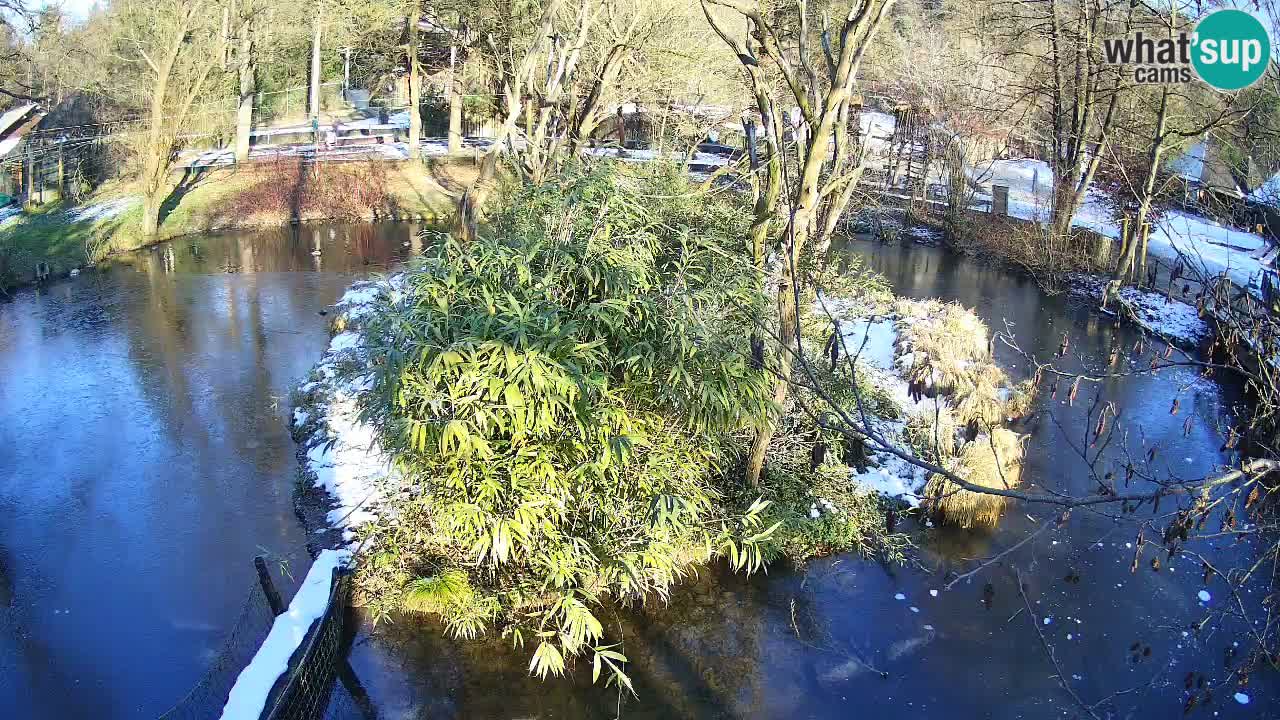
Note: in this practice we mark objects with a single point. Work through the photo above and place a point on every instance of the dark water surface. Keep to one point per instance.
(145, 459)
(813, 643)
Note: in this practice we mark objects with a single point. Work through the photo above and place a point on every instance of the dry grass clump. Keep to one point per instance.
(1021, 399)
(919, 432)
(943, 343)
(993, 461)
(1048, 258)
(980, 397)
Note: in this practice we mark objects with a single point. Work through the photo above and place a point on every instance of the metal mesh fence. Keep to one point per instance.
(247, 633)
(319, 684)
(309, 682)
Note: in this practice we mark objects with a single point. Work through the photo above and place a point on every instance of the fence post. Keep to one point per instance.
(999, 199)
(268, 587)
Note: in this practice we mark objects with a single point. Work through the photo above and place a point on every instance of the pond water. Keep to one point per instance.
(833, 640)
(145, 459)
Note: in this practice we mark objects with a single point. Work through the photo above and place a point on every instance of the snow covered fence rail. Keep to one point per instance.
(291, 675)
(276, 657)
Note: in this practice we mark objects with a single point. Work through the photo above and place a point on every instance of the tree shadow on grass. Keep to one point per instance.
(192, 177)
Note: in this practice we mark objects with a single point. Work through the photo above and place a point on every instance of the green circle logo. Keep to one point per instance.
(1231, 49)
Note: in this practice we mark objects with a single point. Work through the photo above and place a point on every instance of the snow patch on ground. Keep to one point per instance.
(1157, 313)
(638, 156)
(9, 214)
(248, 696)
(886, 473)
(105, 210)
(342, 451)
(880, 337)
(1206, 244)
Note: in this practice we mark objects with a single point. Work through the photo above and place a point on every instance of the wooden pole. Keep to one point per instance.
(1142, 253)
(314, 108)
(29, 171)
(268, 587)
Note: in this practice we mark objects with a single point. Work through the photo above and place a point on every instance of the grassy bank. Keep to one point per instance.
(69, 236)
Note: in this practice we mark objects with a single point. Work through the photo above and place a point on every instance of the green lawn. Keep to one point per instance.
(219, 199)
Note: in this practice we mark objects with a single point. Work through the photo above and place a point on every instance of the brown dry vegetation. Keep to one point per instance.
(257, 195)
(1031, 247)
(950, 359)
(993, 461)
(932, 433)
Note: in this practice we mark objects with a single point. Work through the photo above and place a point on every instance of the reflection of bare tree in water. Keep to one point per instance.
(703, 652)
(315, 248)
(364, 243)
(414, 242)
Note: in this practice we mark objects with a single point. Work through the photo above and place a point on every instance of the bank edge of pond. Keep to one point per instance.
(1160, 314)
(72, 237)
(342, 470)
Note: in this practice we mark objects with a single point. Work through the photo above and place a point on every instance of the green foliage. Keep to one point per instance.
(796, 480)
(560, 395)
(50, 233)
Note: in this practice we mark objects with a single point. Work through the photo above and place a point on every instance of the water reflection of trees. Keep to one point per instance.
(704, 654)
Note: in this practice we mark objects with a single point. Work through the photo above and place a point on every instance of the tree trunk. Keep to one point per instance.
(415, 86)
(248, 87)
(455, 104)
(788, 326)
(151, 214)
(155, 163)
(1136, 237)
(313, 100)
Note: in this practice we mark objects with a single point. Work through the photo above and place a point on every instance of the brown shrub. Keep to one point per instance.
(1034, 248)
(297, 191)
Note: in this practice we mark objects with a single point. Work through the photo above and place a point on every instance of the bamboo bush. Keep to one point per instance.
(561, 395)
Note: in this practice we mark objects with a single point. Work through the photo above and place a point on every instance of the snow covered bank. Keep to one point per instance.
(929, 384)
(342, 453)
(249, 695)
(9, 214)
(1205, 244)
(105, 210)
(874, 343)
(1169, 318)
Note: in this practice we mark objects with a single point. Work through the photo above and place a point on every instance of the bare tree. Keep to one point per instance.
(415, 82)
(247, 70)
(1175, 114)
(557, 72)
(175, 42)
(828, 167)
(1066, 86)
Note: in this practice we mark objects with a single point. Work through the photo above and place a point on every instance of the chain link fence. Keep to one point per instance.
(206, 699)
(308, 684)
(319, 683)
